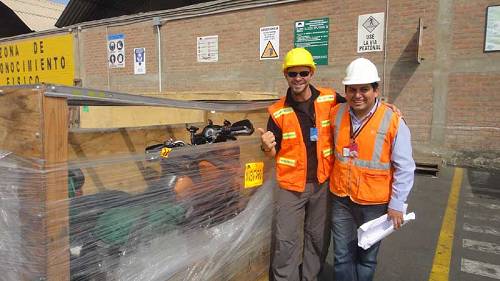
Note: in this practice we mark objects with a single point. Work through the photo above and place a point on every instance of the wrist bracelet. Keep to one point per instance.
(262, 148)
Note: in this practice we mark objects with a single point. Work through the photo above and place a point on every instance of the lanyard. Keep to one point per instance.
(356, 133)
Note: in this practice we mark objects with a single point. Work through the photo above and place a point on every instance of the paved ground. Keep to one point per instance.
(477, 233)
(466, 247)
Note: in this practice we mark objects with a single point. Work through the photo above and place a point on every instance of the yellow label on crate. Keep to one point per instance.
(165, 151)
(254, 174)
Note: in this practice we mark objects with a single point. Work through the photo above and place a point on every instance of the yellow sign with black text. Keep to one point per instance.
(38, 60)
(254, 174)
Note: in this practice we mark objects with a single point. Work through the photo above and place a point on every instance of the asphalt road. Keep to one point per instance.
(463, 247)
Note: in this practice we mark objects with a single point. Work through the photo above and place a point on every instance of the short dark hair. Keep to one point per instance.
(374, 86)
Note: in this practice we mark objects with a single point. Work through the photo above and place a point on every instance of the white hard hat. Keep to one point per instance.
(360, 71)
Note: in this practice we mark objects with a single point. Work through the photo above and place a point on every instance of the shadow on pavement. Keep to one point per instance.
(484, 182)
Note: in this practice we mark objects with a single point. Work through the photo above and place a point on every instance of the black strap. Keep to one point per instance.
(356, 133)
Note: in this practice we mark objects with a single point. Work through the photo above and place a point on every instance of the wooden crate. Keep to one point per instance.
(35, 126)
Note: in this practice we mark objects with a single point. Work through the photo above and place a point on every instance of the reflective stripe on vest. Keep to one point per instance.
(291, 159)
(374, 165)
(287, 162)
(283, 111)
(338, 121)
(289, 135)
(379, 142)
(325, 98)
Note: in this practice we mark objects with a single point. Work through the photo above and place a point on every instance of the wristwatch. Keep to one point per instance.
(262, 148)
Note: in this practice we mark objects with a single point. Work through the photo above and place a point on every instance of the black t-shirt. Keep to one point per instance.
(307, 119)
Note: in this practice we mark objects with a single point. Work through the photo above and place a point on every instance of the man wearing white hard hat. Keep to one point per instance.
(373, 169)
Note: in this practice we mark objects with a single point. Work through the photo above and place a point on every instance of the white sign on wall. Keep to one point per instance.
(139, 60)
(208, 48)
(371, 33)
(116, 51)
(269, 43)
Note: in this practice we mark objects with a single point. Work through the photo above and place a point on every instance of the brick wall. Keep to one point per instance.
(95, 59)
(452, 79)
(473, 116)
(473, 112)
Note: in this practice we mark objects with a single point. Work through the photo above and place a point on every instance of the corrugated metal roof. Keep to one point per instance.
(36, 14)
(196, 10)
(101, 12)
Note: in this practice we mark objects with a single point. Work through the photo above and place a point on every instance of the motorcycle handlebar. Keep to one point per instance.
(241, 130)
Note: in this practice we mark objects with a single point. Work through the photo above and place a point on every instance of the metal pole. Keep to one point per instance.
(159, 57)
(384, 93)
(107, 62)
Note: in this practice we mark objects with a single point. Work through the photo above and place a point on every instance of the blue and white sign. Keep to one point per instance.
(116, 51)
(139, 60)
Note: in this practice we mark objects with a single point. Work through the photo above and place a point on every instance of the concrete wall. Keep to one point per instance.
(472, 112)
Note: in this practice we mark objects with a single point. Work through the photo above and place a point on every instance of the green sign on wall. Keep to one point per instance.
(313, 35)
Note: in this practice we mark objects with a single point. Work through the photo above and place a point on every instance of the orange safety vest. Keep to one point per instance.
(366, 179)
(291, 160)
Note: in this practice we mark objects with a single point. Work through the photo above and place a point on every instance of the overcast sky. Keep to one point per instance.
(60, 1)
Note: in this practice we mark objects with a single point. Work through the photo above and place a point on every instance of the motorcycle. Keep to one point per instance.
(198, 186)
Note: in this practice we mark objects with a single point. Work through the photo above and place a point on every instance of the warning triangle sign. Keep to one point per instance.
(269, 51)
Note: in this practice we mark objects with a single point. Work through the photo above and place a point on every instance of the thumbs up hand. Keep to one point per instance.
(268, 140)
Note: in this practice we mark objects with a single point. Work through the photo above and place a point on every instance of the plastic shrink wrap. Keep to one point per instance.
(175, 211)
(187, 216)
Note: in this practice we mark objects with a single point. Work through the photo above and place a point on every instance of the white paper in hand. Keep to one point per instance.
(375, 230)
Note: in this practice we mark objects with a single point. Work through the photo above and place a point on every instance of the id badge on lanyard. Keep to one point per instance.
(313, 134)
(351, 150)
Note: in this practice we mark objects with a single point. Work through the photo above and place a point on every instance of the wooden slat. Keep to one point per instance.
(136, 116)
(20, 122)
(216, 95)
(427, 164)
(88, 144)
(92, 145)
(117, 117)
(55, 152)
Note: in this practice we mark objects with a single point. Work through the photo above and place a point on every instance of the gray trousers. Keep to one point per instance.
(300, 233)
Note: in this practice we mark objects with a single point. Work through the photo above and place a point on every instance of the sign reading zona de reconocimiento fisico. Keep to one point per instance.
(38, 60)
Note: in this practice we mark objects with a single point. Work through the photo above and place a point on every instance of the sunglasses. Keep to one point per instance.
(294, 74)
